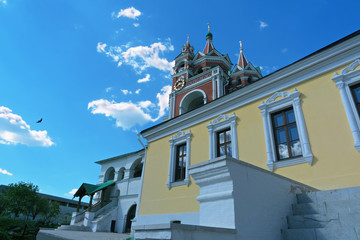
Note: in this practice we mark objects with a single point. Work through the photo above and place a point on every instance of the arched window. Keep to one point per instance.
(136, 169)
(192, 100)
(110, 174)
(121, 174)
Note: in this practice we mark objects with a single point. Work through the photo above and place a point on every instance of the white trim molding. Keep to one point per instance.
(179, 138)
(220, 123)
(343, 82)
(274, 104)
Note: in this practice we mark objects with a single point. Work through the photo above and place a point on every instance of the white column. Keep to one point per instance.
(211, 142)
(214, 88)
(234, 140)
(218, 87)
(302, 129)
(269, 150)
(350, 115)
(172, 152)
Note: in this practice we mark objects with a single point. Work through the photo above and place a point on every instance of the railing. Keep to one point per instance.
(77, 217)
(103, 208)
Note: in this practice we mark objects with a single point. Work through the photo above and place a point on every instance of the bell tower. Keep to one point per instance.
(198, 78)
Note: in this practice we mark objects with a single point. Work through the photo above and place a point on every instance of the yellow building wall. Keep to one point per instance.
(336, 163)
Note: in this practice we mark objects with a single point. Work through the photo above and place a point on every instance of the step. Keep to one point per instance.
(74, 228)
(343, 206)
(313, 221)
(329, 195)
(342, 233)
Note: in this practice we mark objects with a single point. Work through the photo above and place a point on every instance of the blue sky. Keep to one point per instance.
(98, 71)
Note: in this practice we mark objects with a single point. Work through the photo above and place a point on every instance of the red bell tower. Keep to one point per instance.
(198, 78)
(206, 76)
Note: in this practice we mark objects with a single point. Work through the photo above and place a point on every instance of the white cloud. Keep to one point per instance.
(130, 12)
(14, 130)
(140, 57)
(138, 91)
(284, 50)
(136, 24)
(163, 99)
(267, 70)
(146, 104)
(128, 114)
(101, 47)
(263, 25)
(108, 89)
(3, 171)
(125, 92)
(3, 1)
(73, 191)
(145, 79)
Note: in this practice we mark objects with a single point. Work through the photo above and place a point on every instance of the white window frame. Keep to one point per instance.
(180, 138)
(220, 123)
(272, 105)
(344, 81)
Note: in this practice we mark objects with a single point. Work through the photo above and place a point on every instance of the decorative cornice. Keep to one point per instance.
(222, 117)
(276, 95)
(351, 67)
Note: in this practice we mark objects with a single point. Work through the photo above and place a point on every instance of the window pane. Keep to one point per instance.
(221, 138)
(280, 135)
(296, 148)
(228, 150)
(283, 151)
(278, 120)
(293, 133)
(356, 93)
(228, 136)
(290, 116)
(221, 151)
(180, 162)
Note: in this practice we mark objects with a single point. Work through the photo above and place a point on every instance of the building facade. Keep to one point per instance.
(297, 129)
(114, 198)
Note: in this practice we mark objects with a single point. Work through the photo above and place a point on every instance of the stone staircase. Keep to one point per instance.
(325, 215)
(81, 228)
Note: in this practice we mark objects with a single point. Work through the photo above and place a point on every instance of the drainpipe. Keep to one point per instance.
(142, 178)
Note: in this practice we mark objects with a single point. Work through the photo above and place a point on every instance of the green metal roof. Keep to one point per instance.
(90, 189)
(102, 186)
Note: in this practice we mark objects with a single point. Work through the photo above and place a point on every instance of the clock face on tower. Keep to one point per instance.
(179, 84)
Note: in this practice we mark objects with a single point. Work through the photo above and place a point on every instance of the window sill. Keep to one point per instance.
(179, 183)
(290, 162)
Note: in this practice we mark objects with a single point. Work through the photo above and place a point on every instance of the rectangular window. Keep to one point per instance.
(355, 91)
(224, 143)
(180, 166)
(287, 142)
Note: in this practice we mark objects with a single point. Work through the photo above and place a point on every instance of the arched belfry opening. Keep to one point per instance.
(192, 100)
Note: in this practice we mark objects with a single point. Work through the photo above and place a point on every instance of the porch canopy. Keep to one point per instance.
(87, 189)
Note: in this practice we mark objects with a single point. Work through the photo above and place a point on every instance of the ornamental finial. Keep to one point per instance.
(240, 45)
(208, 27)
(187, 39)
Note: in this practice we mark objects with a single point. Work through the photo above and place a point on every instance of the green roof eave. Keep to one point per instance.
(101, 186)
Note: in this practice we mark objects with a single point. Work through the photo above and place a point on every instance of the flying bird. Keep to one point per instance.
(39, 121)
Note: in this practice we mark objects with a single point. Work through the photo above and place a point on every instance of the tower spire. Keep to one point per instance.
(209, 45)
(242, 61)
